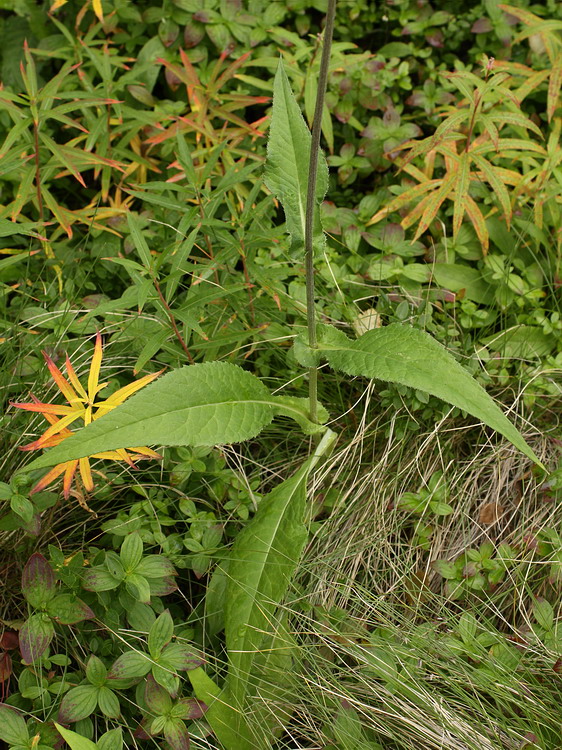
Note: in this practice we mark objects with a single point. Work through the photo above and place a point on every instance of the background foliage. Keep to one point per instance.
(132, 140)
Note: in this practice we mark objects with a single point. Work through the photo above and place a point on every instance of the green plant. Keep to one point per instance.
(476, 569)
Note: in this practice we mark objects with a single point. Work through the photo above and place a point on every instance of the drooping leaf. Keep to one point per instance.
(35, 636)
(411, 357)
(68, 610)
(13, 728)
(288, 156)
(262, 562)
(157, 698)
(205, 404)
(38, 581)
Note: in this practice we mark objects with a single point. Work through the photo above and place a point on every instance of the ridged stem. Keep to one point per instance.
(311, 206)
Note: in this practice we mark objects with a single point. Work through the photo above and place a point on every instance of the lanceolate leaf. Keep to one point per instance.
(263, 558)
(35, 636)
(205, 404)
(288, 155)
(262, 562)
(405, 355)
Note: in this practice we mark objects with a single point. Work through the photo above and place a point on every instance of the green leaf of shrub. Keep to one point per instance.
(405, 355)
(108, 703)
(131, 551)
(288, 157)
(13, 728)
(96, 672)
(130, 665)
(160, 633)
(112, 740)
(99, 579)
(67, 610)
(78, 704)
(206, 404)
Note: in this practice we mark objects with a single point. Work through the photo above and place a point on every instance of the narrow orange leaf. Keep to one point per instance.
(69, 472)
(86, 474)
(475, 216)
(64, 386)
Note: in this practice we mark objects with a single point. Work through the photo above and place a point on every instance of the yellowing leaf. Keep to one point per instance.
(434, 203)
(98, 10)
(461, 192)
(475, 216)
(554, 83)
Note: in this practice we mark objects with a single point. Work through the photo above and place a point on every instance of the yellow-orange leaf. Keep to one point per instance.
(461, 192)
(98, 10)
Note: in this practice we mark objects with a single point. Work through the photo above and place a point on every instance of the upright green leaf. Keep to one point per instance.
(288, 157)
(212, 403)
(405, 355)
(262, 562)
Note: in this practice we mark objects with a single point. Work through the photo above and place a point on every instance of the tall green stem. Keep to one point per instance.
(311, 203)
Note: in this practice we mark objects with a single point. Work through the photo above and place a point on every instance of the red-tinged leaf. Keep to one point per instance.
(142, 731)
(162, 586)
(35, 636)
(180, 658)
(157, 699)
(38, 581)
(67, 610)
(532, 83)
(408, 196)
(517, 119)
(176, 734)
(554, 83)
(194, 709)
(481, 26)
(491, 129)
(507, 144)
(496, 183)
(155, 566)
(461, 192)
(23, 195)
(9, 640)
(475, 216)
(78, 703)
(63, 158)
(99, 579)
(129, 666)
(5, 666)
(434, 203)
(180, 73)
(58, 211)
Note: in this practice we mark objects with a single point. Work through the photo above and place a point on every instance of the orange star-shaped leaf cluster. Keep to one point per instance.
(82, 405)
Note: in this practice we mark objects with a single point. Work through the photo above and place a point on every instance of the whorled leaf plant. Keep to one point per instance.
(220, 403)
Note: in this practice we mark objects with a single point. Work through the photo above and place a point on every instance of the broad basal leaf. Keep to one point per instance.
(405, 355)
(288, 156)
(205, 404)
